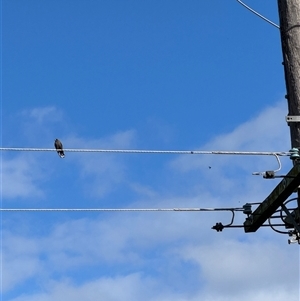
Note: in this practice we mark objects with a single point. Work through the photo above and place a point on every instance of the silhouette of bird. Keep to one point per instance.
(59, 147)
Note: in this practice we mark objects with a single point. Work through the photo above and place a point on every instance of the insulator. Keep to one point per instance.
(269, 174)
(247, 209)
(294, 153)
(218, 226)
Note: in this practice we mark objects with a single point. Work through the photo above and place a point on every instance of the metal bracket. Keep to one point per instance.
(290, 118)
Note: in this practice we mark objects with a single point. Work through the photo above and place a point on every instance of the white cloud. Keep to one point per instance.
(111, 240)
(144, 241)
(20, 176)
(244, 265)
(233, 174)
(19, 260)
(141, 253)
(44, 114)
(132, 287)
(101, 173)
(266, 132)
(229, 281)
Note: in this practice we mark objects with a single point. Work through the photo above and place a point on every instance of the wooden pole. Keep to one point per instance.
(289, 16)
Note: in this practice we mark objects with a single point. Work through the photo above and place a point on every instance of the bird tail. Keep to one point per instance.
(61, 154)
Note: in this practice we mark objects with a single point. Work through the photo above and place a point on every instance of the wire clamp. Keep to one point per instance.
(290, 119)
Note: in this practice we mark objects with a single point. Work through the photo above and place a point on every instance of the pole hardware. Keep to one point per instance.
(290, 119)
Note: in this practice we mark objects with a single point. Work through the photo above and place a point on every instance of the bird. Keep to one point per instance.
(59, 147)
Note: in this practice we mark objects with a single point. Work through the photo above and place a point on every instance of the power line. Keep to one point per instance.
(144, 151)
(116, 209)
(258, 14)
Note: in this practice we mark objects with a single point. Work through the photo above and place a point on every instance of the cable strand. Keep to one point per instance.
(258, 14)
(115, 209)
(144, 151)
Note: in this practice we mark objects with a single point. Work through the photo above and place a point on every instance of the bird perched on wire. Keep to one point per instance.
(59, 147)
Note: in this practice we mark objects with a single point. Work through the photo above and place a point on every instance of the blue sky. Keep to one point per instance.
(165, 75)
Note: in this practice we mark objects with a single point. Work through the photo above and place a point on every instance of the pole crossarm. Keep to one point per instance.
(277, 197)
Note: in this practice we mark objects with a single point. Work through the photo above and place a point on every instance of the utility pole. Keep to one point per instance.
(289, 16)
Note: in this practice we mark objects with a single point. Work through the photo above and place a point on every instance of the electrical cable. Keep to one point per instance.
(281, 216)
(243, 226)
(278, 231)
(258, 14)
(232, 219)
(290, 209)
(115, 209)
(140, 151)
(144, 151)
